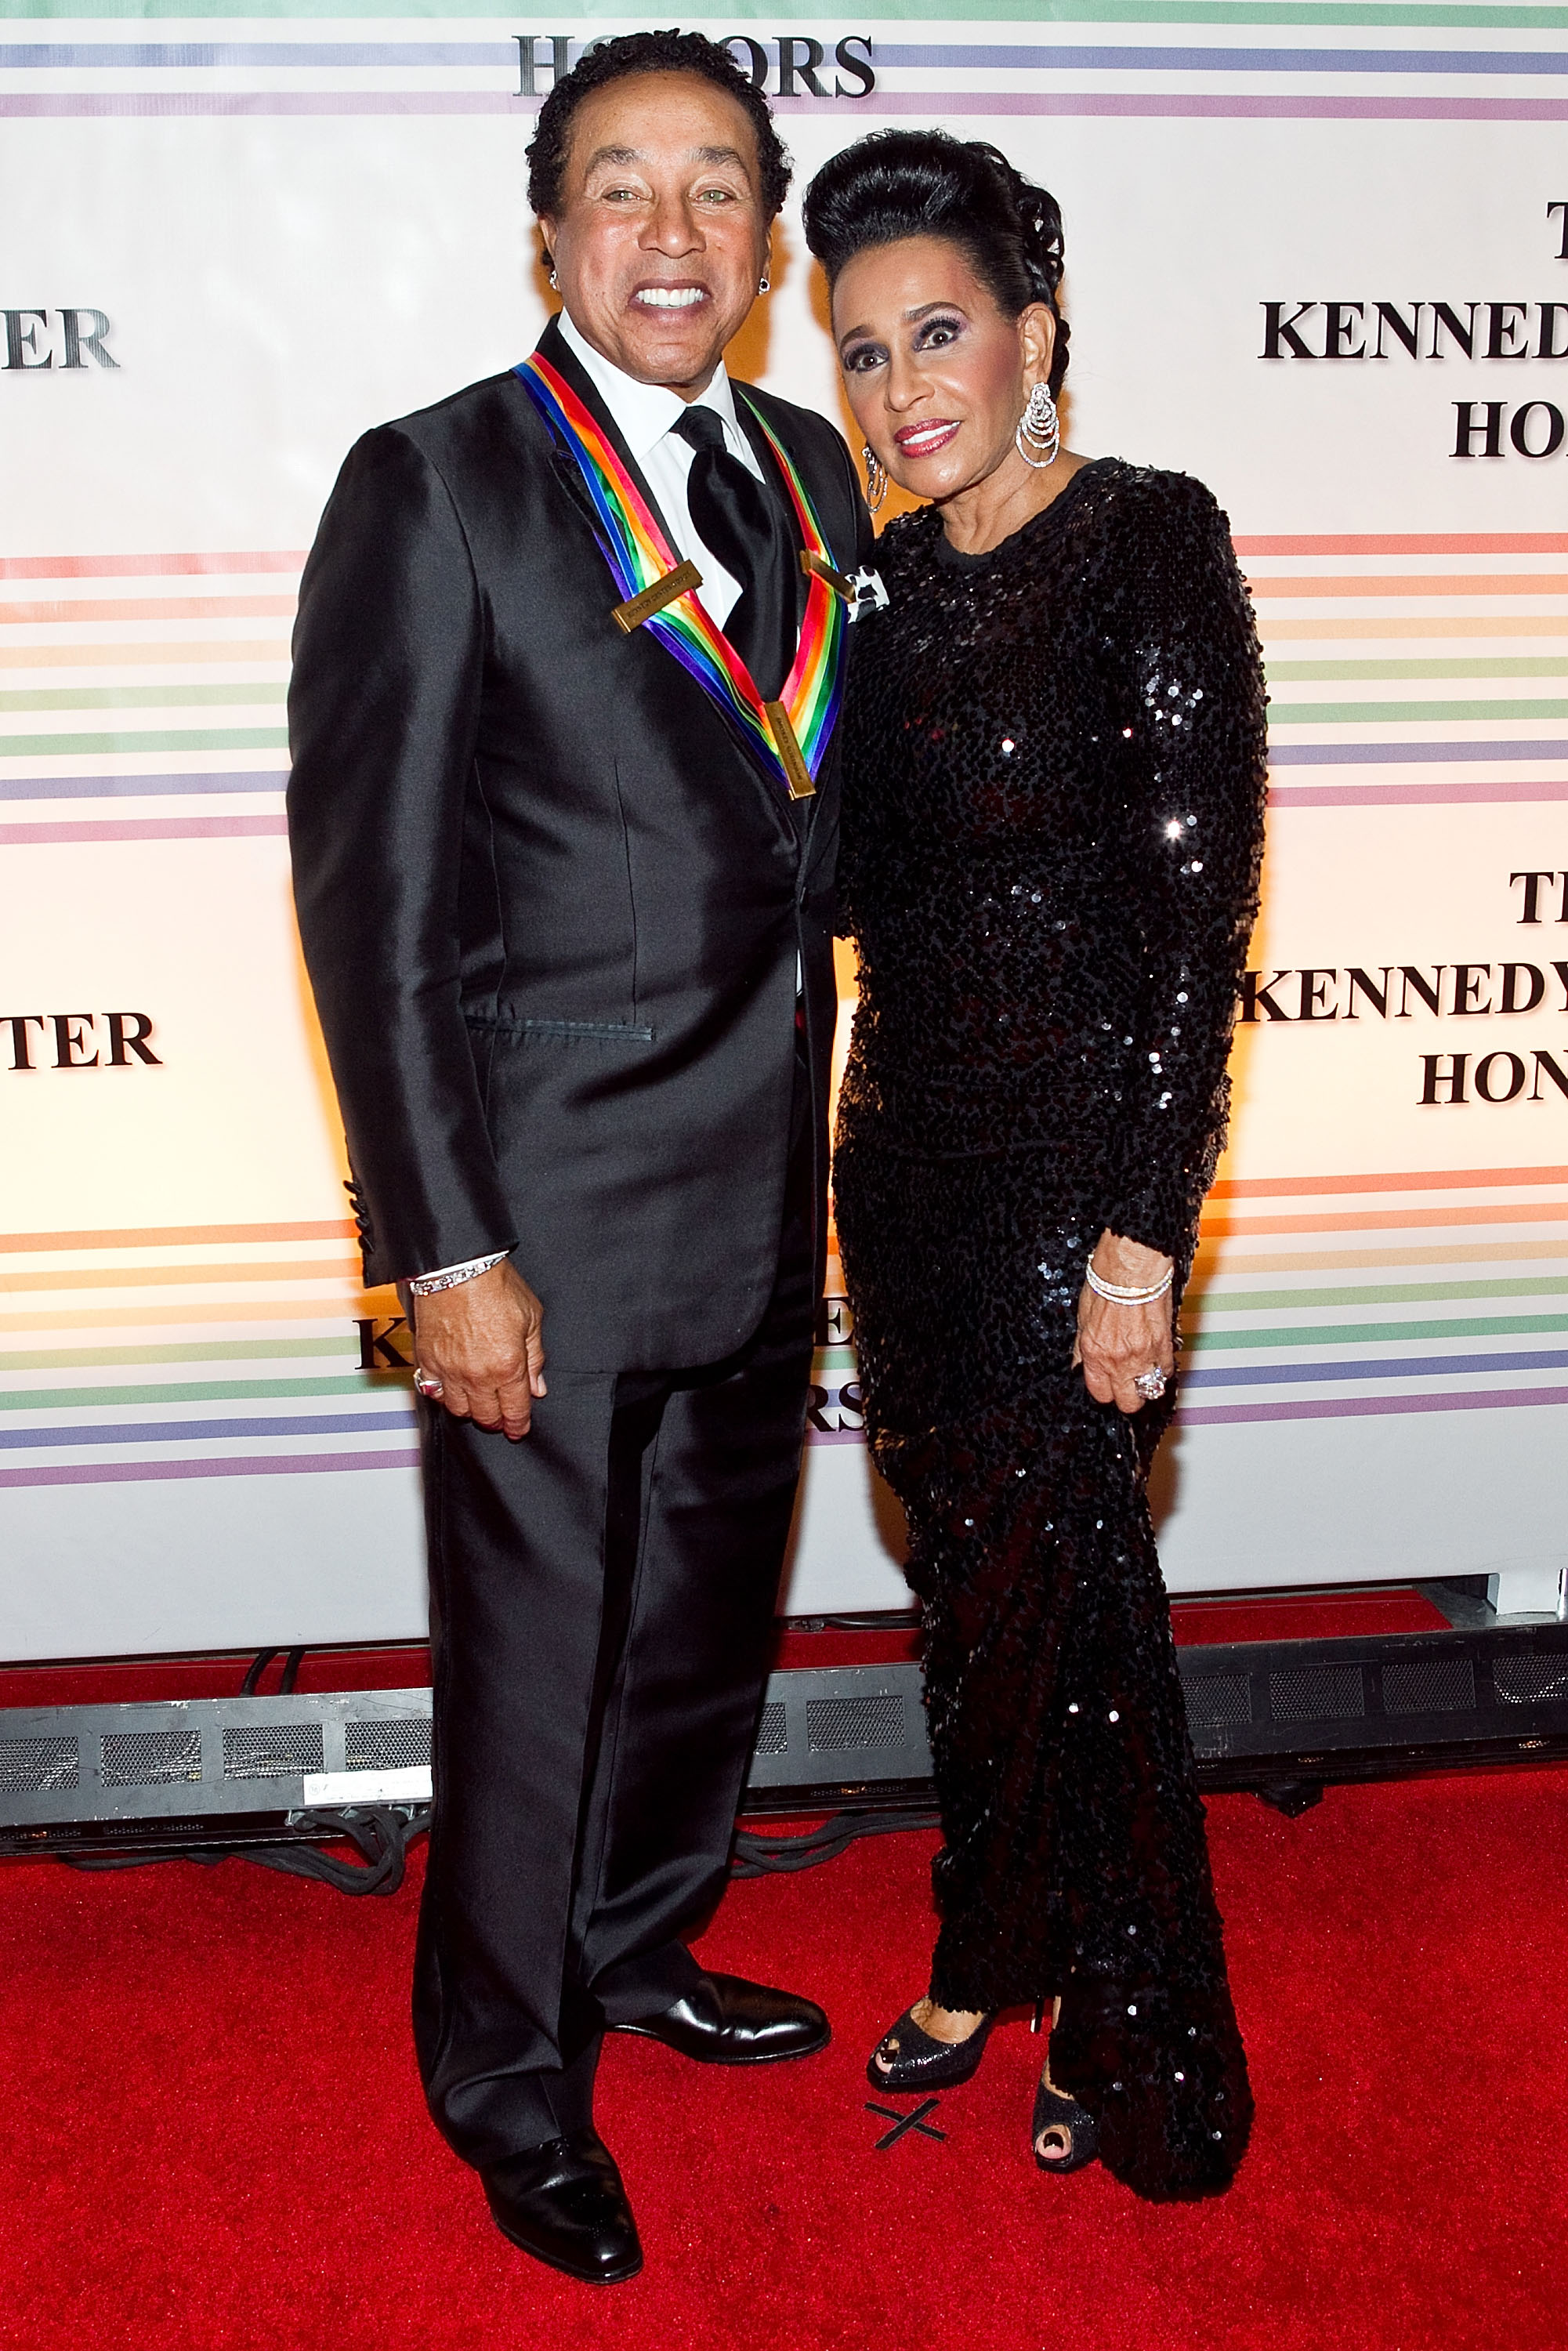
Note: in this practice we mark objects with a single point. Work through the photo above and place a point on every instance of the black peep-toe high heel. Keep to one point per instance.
(1053, 2111)
(919, 2063)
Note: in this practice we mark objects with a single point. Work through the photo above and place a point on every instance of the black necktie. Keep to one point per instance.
(742, 522)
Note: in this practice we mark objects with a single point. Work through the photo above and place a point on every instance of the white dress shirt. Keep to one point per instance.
(644, 413)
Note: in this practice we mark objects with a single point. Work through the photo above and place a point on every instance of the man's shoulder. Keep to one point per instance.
(465, 442)
(450, 422)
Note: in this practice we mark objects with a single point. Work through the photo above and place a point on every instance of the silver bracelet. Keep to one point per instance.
(1125, 1293)
(425, 1285)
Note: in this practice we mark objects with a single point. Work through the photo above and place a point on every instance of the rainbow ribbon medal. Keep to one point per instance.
(789, 737)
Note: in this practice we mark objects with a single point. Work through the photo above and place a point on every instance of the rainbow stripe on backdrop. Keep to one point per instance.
(1346, 1297)
(639, 554)
(167, 1354)
(1264, 60)
(136, 685)
(228, 1352)
(1413, 669)
(129, 682)
(233, 1350)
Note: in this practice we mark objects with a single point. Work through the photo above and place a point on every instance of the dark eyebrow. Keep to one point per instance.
(921, 311)
(635, 155)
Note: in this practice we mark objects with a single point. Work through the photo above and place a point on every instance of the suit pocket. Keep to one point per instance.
(576, 1032)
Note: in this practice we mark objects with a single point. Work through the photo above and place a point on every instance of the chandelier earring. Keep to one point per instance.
(876, 477)
(1039, 427)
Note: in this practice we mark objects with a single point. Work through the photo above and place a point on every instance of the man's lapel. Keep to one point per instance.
(757, 442)
(554, 347)
(803, 813)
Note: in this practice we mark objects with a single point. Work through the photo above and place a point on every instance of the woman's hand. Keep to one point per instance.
(1118, 1343)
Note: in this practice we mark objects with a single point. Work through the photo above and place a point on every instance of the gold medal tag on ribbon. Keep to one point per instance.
(821, 569)
(802, 788)
(642, 606)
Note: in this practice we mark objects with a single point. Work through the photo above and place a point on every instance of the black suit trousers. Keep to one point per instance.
(603, 1598)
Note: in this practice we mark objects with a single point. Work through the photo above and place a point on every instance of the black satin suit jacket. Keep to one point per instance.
(549, 908)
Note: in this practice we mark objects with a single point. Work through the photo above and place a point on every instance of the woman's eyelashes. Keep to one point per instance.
(933, 334)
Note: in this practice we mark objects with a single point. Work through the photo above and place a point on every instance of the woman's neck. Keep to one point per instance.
(980, 516)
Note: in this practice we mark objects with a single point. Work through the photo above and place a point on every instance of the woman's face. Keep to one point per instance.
(936, 375)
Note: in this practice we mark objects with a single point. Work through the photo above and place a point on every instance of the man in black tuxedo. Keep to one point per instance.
(571, 942)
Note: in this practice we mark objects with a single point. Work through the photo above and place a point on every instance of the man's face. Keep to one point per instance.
(661, 237)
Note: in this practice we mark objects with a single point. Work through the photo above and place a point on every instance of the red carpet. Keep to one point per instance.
(1304, 1616)
(1251, 1616)
(213, 2135)
(1284, 1616)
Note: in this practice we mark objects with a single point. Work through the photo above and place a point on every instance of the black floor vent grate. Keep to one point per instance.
(385, 1746)
(150, 1758)
(33, 1764)
(1272, 1715)
(1218, 1697)
(1527, 1681)
(272, 1751)
(1429, 1686)
(773, 1731)
(835, 1724)
(1317, 1694)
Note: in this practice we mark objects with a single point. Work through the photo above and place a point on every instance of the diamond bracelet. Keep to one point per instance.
(425, 1285)
(1124, 1293)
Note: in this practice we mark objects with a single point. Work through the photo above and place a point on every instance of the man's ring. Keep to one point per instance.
(426, 1386)
(1151, 1385)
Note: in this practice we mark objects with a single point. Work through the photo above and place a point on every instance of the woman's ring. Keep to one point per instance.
(1151, 1385)
(427, 1386)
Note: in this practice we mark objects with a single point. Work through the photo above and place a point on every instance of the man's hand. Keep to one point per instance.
(1116, 1343)
(482, 1343)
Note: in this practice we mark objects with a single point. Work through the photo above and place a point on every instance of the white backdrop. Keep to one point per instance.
(255, 237)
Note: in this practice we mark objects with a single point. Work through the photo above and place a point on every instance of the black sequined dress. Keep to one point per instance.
(1054, 777)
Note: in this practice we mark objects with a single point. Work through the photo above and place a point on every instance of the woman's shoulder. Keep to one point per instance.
(1163, 537)
(1135, 514)
(908, 541)
(1151, 498)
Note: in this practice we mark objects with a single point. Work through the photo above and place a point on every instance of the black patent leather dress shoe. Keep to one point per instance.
(564, 2203)
(725, 2020)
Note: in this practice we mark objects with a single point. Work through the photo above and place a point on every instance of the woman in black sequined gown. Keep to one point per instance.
(1054, 775)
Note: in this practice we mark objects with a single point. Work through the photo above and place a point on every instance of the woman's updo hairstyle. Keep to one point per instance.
(902, 183)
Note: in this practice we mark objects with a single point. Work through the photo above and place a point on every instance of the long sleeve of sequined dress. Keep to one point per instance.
(1052, 817)
(1187, 669)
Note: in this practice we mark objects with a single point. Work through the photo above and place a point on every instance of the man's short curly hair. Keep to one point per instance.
(635, 53)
